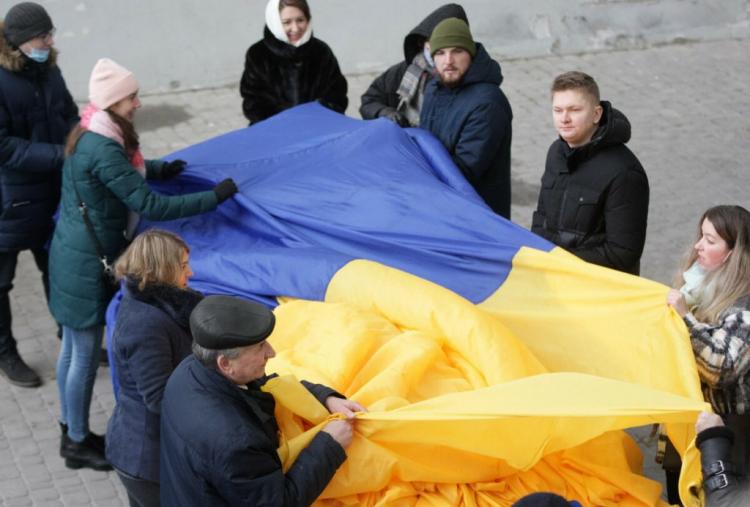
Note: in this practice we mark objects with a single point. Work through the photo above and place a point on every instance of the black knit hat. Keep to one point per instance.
(224, 322)
(25, 21)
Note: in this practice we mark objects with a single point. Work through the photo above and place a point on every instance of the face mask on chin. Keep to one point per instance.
(38, 55)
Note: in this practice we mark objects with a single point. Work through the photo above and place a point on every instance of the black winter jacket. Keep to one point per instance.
(715, 445)
(594, 198)
(473, 121)
(279, 76)
(151, 337)
(219, 445)
(381, 95)
(36, 114)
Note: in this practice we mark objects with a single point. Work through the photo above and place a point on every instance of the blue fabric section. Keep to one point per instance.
(111, 317)
(318, 189)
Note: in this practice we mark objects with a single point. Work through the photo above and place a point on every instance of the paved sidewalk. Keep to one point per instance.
(688, 107)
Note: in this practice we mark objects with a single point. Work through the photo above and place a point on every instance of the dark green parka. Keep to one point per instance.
(110, 186)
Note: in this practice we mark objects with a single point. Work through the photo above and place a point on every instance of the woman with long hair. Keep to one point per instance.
(713, 299)
(289, 66)
(151, 337)
(104, 191)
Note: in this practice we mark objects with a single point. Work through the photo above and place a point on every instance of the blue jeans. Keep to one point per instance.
(76, 372)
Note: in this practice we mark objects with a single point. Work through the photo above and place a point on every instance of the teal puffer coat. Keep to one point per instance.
(110, 186)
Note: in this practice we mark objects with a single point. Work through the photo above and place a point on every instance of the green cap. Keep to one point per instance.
(452, 33)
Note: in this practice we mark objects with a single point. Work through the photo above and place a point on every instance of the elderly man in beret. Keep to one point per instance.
(219, 436)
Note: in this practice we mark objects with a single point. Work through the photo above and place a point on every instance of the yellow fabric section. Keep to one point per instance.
(604, 323)
(469, 405)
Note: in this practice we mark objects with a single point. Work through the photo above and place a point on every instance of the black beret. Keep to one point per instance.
(24, 21)
(224, 322)
(543, 500)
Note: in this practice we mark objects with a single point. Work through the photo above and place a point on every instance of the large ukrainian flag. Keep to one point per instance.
(493, 364)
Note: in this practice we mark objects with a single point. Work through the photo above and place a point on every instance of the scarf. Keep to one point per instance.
(95, 120)
(273, 22)
(412, 85)
(693, 281)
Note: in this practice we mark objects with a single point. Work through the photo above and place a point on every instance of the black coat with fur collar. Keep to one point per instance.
(36, 114)
(279, 76)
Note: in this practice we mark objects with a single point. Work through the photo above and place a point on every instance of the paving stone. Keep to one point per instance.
(9, 471)
(13, 488)
(18, 502)
(48, 494)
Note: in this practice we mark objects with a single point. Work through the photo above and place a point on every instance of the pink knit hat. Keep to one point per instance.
(110, 83)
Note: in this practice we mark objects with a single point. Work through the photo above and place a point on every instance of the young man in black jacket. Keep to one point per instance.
(594, 196)
(36, 114)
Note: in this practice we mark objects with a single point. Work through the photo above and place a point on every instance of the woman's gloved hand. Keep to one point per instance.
(225, 189)
(172, 169)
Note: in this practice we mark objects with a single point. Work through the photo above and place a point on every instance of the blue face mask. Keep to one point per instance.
(38, 55)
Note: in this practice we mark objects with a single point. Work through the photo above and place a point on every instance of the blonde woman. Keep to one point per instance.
(150, 338)
(714, 301)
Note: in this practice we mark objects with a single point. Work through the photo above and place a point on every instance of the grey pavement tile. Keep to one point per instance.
(18, 502)
(43, 495)
(13, 488)
(79, 497)
(9, 471)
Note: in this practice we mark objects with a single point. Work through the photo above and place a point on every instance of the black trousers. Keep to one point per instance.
(8, 261)
(141, 493)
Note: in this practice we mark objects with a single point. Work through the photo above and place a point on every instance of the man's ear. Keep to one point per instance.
(598, 110)
(223, 364)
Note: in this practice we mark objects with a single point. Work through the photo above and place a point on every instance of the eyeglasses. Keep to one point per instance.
(46, 37)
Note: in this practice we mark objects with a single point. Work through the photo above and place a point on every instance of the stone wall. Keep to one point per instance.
(189, 44)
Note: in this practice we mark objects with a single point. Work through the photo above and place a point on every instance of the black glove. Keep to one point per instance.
(172, 169)
(225, 189)
(395, 116)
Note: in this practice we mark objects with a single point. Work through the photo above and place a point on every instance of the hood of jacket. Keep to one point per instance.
(614, 128)
(13, 59)
(483, 69)
(415, 39)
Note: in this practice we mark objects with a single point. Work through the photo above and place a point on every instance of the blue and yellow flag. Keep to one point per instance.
(492, 363)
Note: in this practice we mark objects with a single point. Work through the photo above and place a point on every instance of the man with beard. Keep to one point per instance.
(466, 109)
(398, 93)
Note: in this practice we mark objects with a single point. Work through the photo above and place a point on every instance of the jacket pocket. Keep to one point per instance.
(585, 204)
(538, 222)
